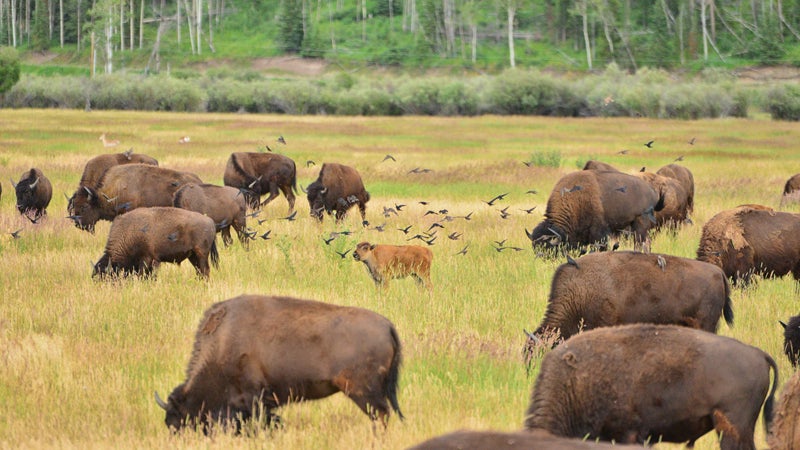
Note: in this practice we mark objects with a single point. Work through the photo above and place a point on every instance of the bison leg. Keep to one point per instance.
(734, 433)
(424, 280)
(371, 399)
(362, 208)
(287, 192)
(273, 193)
(242, 235)
(226, 236)
(200, 262)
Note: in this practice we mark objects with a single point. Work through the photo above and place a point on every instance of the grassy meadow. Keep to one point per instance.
(79, 359)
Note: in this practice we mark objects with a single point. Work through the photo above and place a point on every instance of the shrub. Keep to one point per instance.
(9, 68)
(546, 159)
(783, 102)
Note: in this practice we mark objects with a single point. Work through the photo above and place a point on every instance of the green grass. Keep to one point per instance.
(80, 359)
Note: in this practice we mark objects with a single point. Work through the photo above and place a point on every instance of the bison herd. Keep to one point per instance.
(632, 355)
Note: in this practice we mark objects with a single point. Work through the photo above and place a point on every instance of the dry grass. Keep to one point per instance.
(80, 360)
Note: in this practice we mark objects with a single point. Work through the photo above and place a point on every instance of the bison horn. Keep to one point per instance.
(783, 324)
(33, 185)
(160, 402)
(529, 234)
(532, 336)
(88, 192)
(323, 191)
(555, 233)
(12, 183)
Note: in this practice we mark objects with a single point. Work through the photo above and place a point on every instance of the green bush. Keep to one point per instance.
(783, 102)
(546, 159)
(9, 68)
(532, 93)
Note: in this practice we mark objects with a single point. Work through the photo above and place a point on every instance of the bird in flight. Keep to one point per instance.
(691, 141)
(649, 144)
(622, 152)
(389, 157)
(679, 158)
(454, 235)
(281, 140)
(405, 230)
(343, 255)
(15, 234)
(463, 251)
(499, 197)
(529, 210)
(310, 163)
(290, 217)
(265, 236)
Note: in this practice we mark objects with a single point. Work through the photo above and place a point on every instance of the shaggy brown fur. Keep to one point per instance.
(98, 165)
(786, 430)
(684, 177)
(142, 239)
(588, 206)
(337, 189)
(34, 192)
(254, 351)
(606, 289)
(676, 199)
(385, 262)
(256, 174)
(638, 383)
(521, 440)
(125, 188)
(222, 204)
(752, 239)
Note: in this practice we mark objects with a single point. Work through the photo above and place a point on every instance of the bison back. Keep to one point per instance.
(143, 185)
(522, 440)
(220, 203)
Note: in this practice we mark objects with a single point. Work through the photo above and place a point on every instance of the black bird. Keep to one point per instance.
(405, 230)
(529, 211)
(571, 261)
(429, 241)
(260, 221)
(344, 255)
(454, 235)
(15, 234)
(564, 190)
(418, 170)
(328, 241)
(388, 157)
(531, 191)
(379, 228)
(448, 219)
(499, 197)
(516, 249)
(661, 262)
(615, 246)
(267, 147)
(434, 225)
(399, 207)
(430, 212)
(254, 213)
(443, 211)
(463, 251)
(649, 144)
(643, 169)
(622, 152)
(145, 228)
(281, 140)
(342, 233)
(423, 203)
(500, 243)
(310, 163)
(504, 213)
(679, 158)
(290, 217)
(250, 234)
(173, 236)
(468, 216)
(387, 212)
(621, 189)
(33, 219)
(265, 236)
(527, 163)
(691, 141)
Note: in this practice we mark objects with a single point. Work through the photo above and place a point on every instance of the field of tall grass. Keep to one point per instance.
(80, 359)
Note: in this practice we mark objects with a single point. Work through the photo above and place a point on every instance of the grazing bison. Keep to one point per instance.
(521, 440)
(651, 383)
(124, 188)
(98, 165)
(791, 340)
(684, 177)
(588, 206)
(752, 239)
(337, 188)
(615, 288)
(255, 174)
(254, 352)
(222, 204)
(34, 192)
(385, 262)
(598, 165)
(785, 433)
(677, 202)
(791, 190)
(144, 238)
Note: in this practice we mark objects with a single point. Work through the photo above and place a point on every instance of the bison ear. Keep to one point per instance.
(782, 324)
(372, 247)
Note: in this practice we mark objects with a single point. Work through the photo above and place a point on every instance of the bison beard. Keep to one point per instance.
(255, 353)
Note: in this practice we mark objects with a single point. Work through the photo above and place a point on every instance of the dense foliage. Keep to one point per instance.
(9, 68)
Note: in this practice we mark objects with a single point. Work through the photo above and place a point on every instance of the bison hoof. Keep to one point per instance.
(365, 223)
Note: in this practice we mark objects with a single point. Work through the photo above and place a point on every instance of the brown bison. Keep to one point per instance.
(124, 188)
(144, 238)
(222, 204)
(651, 383)
(521, 440)
(785, 433)
(752, 239)
(791, 340)
(614, 288)
(791, 190)
(588, 206)
(337, 189)
(684, 177)
(34, 192)
(676, 200)
(253, 352)
(255, 174)
(98, 165)
(385, 262)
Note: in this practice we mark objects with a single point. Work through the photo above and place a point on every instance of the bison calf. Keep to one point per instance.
(385, 262)
(34, 192)
(144, 238)
(254, 353)
(651, 383)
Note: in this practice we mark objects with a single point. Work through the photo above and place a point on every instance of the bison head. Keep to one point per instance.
(546, 236)
(26, 192)
(84, 208)
(102, 268)
(185, 411)
(316, 199)
(363, 251)
(791, 339)
(177, 413)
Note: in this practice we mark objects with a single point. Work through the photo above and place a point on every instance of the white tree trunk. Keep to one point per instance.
(61, 22)
(587, 42)
(512, 58)
(198, 14)
(705, 29)
(109, 32)
(474, 42)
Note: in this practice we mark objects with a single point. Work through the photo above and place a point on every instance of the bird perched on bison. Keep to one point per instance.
(142, 239)
(752, 240)
(254, 353)
(652, 383)
(586, 207)
(34, 192)
(385, 262)
(337, 189)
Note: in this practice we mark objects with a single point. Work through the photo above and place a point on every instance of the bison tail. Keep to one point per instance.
(768, 404)
(727, 308)
(214, 254)
(393, 376)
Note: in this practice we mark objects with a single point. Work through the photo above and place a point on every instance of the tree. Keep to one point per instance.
(9, 68)
(40, 40)
(291, 25)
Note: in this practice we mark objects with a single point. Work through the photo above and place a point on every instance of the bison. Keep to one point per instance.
(614, 288)
(255, 353)
(785, 433)
(255, 174)
(684, 177)
(385, 262)
(791, 339)
(337, 189)
(588, 206)
(124, 188)
(521, 440)
(144, 238)
(790, 190)
(97, 166)
(222, 204)
(677, 202)
(752, 239)
(34, 192)
(650, 383)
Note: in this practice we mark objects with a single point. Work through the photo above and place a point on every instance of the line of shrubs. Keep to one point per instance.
(613, 93)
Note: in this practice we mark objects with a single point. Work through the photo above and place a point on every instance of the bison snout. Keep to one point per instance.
(356, 256)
